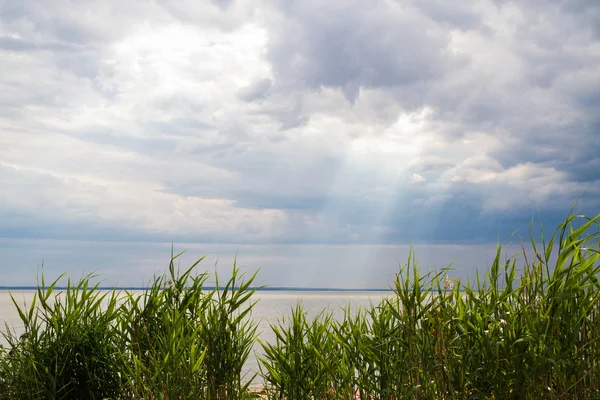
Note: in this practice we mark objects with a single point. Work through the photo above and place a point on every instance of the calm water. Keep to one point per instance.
(270, 307)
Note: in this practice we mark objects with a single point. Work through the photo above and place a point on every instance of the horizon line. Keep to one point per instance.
(264, 289)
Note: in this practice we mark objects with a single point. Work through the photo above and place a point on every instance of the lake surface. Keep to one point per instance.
(271, 306)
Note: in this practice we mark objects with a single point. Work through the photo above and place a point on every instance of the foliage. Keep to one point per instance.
(532, 337)
(70, 347)
(529, 328)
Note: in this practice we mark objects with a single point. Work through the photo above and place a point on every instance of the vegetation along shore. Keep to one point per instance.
(526, 328)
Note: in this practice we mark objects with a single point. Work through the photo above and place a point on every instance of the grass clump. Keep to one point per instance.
(163, 345)
(298, 365)
(187, 342)
(70, 348)
(177, 340)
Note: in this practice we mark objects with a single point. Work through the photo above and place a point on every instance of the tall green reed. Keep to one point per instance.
(163, 340)
(527, 329)
(228, 333)
(177, 339)
(69, 348)
(298, 365)
(188, 342)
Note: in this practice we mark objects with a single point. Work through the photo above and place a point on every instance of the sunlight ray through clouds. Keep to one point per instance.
(341, 128)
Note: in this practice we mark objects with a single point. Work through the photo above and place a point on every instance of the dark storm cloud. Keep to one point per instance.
(573, 149)
(395, 46)
(349, 46)
(447, 223)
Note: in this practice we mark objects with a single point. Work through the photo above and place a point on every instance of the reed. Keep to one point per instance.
(162, 340)
(527, 328)
(526, 332)
(299, 365)
(186, 342)
(228, 333)
(70, 347)
(176, 340)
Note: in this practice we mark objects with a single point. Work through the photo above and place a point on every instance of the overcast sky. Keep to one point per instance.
(317, 139)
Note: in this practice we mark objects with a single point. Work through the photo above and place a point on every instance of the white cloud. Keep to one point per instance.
(416, 178)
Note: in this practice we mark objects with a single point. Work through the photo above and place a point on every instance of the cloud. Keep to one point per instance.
(416, 178)
(255, 90)
(297, 121)
(354, 45)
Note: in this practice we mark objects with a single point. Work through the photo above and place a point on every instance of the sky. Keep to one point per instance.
(316, 140)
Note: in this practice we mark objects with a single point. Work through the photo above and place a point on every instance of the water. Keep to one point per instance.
(271, 306)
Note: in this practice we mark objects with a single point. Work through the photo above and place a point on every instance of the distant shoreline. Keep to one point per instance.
(265, 289)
